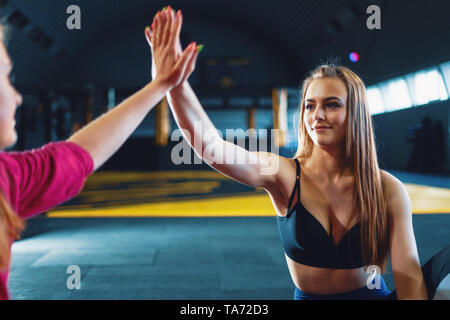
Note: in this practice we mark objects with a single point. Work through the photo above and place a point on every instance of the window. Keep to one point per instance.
(445, 69)
(375, 100)
(429, 86)
(414, 89)
(395, 94)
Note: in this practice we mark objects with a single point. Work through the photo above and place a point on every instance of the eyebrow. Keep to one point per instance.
(328, 98)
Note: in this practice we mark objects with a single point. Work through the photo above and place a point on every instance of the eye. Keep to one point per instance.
(308, 106)
(333, 105)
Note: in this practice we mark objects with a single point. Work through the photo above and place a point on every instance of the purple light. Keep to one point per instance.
(353, 56)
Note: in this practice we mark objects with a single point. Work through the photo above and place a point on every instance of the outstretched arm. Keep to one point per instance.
(259, 169)
(103, 137)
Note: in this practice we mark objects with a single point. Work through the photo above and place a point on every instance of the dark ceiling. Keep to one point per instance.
(413, 34)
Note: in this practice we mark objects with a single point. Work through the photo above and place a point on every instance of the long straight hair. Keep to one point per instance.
(11, 225)
(369, 193)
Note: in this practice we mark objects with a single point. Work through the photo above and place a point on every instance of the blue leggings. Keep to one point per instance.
(434, 271)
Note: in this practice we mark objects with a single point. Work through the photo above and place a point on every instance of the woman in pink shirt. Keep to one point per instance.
(34, 181)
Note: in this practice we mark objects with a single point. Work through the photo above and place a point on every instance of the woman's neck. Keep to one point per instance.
(328, 164)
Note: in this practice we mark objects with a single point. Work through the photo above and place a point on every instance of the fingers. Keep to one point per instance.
(175, 32)
(148, 36)
(166, 28)
(168, 15)
(156, 26)
(191, 64)
(182, 63)
(159, 28)
(164, 40)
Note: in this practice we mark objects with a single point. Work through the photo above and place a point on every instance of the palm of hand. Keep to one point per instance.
(170, 65)
(178, 52)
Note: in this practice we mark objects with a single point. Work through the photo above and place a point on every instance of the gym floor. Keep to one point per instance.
(181, 235)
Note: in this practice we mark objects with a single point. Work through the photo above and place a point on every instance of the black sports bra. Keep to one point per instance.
(306, 241)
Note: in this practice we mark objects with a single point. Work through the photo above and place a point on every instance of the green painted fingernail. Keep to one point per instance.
(165, 8)
(200, 48)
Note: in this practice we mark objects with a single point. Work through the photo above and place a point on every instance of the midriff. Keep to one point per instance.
(324, 280)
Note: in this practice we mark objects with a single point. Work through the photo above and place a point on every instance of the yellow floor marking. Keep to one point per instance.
(154, 191)
(424, 199)
(115, 178)
(256, 205)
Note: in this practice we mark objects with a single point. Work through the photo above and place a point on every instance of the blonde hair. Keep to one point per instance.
(369, 194)
(11, 225)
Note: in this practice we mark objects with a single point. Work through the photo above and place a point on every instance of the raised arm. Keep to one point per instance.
(35, 181)
(259, 168)
(104, 136)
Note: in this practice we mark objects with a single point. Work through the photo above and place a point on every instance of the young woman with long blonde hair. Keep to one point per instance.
(349, 215)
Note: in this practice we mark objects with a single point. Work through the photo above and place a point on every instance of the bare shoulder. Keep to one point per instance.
(393, 184)
(279, 165)
(282, 172)
(398, 198)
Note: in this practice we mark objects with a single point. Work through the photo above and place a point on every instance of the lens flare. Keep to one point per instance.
(353, 56)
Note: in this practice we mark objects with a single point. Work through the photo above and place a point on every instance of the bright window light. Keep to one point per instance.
(429, 86)
(445, 68)
(397, 95)
(375, 100)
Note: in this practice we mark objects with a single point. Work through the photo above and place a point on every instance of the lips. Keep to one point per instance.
(321, 127)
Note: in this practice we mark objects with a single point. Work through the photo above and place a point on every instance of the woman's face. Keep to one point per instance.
(326, 105)
(10, 99)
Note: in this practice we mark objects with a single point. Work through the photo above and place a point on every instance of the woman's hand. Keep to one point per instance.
(260, 169)
(102, 137)
(170, 66)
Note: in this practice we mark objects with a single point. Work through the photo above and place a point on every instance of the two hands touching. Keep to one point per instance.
(170, 68)
(170, 65)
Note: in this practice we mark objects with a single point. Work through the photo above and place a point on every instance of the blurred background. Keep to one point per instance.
(143, 213)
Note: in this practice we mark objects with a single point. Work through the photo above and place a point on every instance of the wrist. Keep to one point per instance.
(159, 86)
(178, 90)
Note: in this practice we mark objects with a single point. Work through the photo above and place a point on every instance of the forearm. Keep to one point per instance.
(192, 119)
(413, 291)
(232, 160)
(105, 135)
(410, 284)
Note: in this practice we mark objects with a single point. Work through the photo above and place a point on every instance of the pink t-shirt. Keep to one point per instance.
(38, 180)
